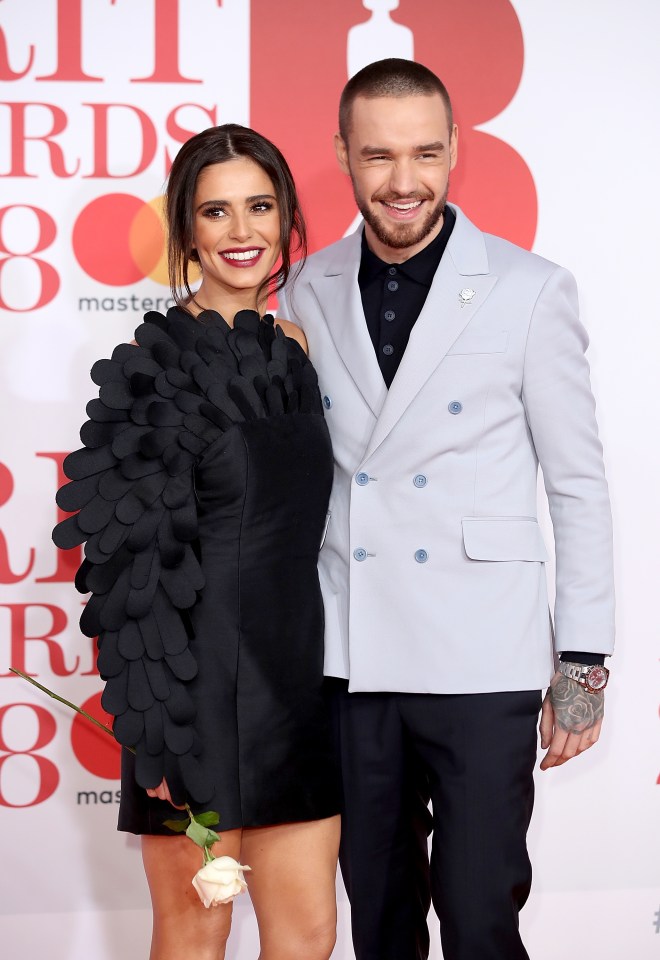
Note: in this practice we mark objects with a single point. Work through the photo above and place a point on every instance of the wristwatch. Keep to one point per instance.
(593, 678)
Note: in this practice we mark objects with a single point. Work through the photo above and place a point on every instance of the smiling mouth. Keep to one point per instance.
(242, 257)
(403, 207)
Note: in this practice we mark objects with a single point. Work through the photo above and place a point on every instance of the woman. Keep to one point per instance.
(202, 494)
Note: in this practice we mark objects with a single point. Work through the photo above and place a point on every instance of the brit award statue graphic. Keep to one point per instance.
(378, 38)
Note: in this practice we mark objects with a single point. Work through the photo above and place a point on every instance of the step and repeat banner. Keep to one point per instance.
(559, 138)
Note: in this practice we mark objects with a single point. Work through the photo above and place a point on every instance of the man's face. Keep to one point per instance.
(399, 153)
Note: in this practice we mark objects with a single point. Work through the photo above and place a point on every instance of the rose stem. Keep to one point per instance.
(67, 703)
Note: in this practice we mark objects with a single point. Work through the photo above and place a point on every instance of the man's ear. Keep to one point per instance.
(342, 153)
(453, 147)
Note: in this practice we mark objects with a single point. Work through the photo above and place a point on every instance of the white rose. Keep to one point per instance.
(219, 881)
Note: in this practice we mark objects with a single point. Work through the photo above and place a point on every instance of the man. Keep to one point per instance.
(451, 363)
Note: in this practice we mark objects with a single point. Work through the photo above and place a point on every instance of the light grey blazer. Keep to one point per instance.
(432, 568)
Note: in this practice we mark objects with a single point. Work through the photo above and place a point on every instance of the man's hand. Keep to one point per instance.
(571, 720)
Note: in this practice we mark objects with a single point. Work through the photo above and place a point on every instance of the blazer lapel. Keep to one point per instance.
(464, 267)
(339, 297)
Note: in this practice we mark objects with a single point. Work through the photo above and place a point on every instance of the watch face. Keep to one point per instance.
(597, 677)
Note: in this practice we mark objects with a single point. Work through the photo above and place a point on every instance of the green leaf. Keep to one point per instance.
(208, 818)
(178, 826)
(200, 835)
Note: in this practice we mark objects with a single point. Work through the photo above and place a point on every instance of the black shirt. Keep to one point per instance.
(393, 295)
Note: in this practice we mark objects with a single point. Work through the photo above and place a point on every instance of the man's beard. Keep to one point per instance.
(403, 235)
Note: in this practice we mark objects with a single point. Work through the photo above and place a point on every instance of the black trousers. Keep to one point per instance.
(473, 756)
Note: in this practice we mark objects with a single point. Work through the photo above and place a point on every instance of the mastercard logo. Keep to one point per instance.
(119, 239)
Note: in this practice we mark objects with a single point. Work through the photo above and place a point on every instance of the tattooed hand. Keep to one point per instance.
(571, 720)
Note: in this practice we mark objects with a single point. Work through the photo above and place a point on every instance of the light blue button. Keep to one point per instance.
(360, 554)
(327, 402)
(420, 480)
(362, 479)
(455, 407)
(392, 285)
(421, 556)
(389, 315)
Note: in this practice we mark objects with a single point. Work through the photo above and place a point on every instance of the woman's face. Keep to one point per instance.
(236, 229)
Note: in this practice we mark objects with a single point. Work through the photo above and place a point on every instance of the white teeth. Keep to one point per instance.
(242, 255)
(405, 206)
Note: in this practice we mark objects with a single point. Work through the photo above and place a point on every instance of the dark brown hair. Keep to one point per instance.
(217, 145)
(390, 78)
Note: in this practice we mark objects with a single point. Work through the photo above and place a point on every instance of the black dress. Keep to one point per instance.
(202, 492)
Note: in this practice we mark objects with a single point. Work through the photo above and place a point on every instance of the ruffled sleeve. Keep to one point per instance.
(132, 488)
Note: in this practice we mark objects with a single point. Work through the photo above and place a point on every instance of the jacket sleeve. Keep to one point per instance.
(560, 411)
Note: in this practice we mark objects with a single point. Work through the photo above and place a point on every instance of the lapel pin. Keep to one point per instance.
(466, 295)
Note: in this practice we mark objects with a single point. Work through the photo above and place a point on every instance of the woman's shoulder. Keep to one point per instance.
(293, 331)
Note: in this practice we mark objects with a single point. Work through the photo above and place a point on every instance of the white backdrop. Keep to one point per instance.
(583, 117)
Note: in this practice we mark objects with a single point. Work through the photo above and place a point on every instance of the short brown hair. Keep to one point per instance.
(390, 78)
(217, 145)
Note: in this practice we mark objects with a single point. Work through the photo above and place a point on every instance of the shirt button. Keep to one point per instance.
(455, 407)
(362, 479)
(388, 349)
(421, 556)
(392, 271)
(327, 402)
(360, 554)
(392, 285)
(420, 480)
(390, 314)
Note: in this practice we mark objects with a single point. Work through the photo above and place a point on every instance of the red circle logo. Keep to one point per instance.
(98, 753)
(119, 239)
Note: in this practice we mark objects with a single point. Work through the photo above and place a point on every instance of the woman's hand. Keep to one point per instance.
(162, 792)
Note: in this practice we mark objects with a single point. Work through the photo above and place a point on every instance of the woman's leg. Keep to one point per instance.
(292, 886)
(183, 928)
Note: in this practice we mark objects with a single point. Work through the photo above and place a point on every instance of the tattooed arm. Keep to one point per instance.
(571, 720)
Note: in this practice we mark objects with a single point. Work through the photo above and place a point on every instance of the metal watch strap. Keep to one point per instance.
(574, 671)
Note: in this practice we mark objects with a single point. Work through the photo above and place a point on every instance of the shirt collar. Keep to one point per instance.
(420, 268)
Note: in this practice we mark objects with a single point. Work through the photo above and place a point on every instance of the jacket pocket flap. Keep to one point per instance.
(503, 538)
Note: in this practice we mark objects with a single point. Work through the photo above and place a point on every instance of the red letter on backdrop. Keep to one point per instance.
(19, 638)
(19, 138)
(180, 134)
(166, 45)
(6, 72)
(69, 43)
(6, 489)
(68, 561)
(149, 140)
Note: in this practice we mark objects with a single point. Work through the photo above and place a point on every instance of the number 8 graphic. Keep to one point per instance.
(49, 776)
(50, 281)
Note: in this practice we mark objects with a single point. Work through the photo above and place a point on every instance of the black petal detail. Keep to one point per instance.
(110, 661)
(153, 729)
(149, 770)
(128, 729)
(105, 371)
(114, 698)
(97, 411)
